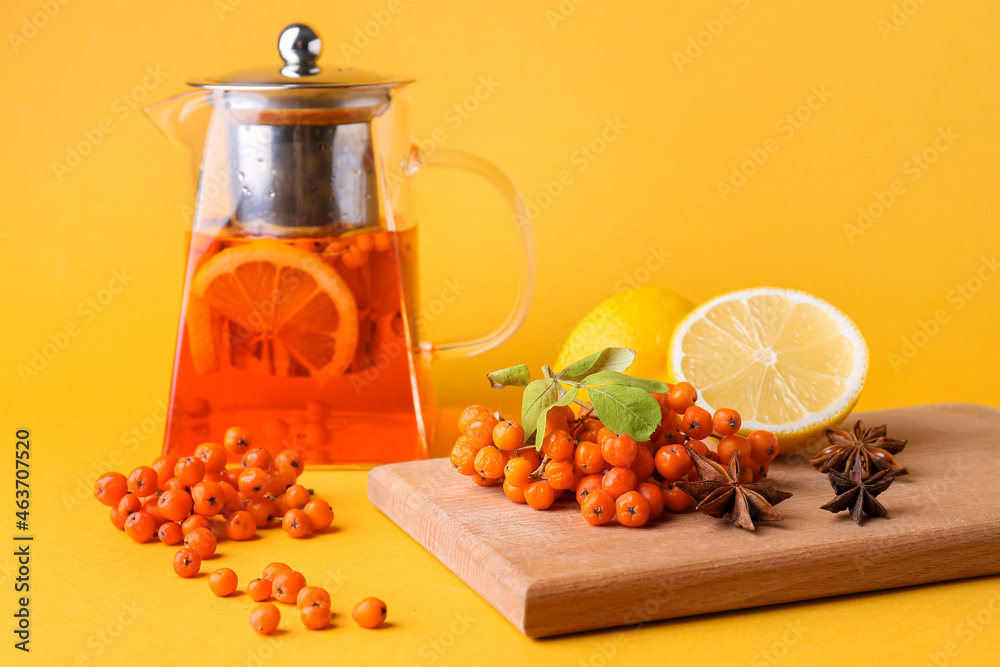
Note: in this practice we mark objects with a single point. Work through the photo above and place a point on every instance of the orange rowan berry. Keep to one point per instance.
(272, 569)
(286, 585)
(316, 615)
(619, 450)
(201, 540)
(480, 429)
(618, 481)
(213, 455)
(531, 455)
(164, 467)
(654, 496)
(110, 488)
(643, 464)
(142, 482)
(632, 509)
(117, 518)
(726, 421)
(140, 526)
(129, 503)
(517, 471)
(697, 422)
(309, 594)
(508, 435)
(468, 414)
(223, 581)
(175, 505)
(558, 446)
(514, 493)
(540, 495)
(490, 462)
(369, 613)
(598, 508)
(258, 457)
(673, 462)
(588, 458)
(280, 476)
(297, 496)
(485, 481)
(170, 533)
(763, 446)
(253, 483)
(296, 523)
(463, 458)
(187, 562)
(561, 475)
(734, 445)
(263, 510)
(208, 498)
(265, 618)
(237, 441)
(319, 513)
(292, 459)
(194, 522)
(681, 397)
(259, 589)
(190, 470)
(674, 499)
(241, 526)
(586, 485)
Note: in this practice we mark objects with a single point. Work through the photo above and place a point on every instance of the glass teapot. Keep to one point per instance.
(299, 318)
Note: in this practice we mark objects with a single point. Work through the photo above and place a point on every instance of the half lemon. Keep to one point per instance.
(787, 361)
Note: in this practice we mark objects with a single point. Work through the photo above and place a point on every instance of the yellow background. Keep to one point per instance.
(894, 75)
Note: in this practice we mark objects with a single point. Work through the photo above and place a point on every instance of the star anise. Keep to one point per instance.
(868, 445)
(721, 495)
(857, 492)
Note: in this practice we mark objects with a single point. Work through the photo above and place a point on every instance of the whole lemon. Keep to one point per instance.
(642, 319)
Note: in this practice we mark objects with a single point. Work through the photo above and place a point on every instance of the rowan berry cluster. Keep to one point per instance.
(612, 476)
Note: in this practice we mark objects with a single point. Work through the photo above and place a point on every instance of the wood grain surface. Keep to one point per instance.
(551, 573)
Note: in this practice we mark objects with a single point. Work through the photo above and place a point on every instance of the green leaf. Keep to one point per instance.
(515, 376)
(538, 397)
(608, 359)
(568, 397)
(628, 410)
(540, 430)
(614, 377)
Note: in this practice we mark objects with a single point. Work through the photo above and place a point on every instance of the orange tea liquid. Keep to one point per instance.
(309, 343)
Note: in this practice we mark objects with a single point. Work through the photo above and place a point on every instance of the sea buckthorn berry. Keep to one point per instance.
(208, 498)
(479, 480)
(297, 496)
(241, 526)
(150, 507)
(598, 508)
(129, 503)
(213, 455)
(253, 483)
(117, 518)
(480, 429)
(140, 526)
(187, 562)
(618, 481)
(194, 522)
(463, 458)
(558, 447)
(734, 444)
(369, 613)
(272, 569)
(681, 397)
(164, 467)
(697, 422)
(279, 477)
(619, 450)
(237, 441)
(643, 464)
(142, 482)
(508, 435)
(265, 618)
(296, 523)
(110, 488)
(316, 616)
(726, 421)
(259, 589)
(309, 594)
(263, 510)
(319, 513)
(674, 499)
(258, 457)
(170, 533)
(292, 459)
(517, 471)
(763, 446)
(514, 493)
(531, 455)
(654, 496)
(586, 485)
(558, 418)
(286, 585)
(175, 505)
(673, 462)
(632, 509)
(468, 414)
(223, 582)
(190, 470)
(589, 459)
(561, 475)
(201, 540)
(540, 495)
(490, 462)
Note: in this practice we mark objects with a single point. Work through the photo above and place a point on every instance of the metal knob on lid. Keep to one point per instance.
(300, 138)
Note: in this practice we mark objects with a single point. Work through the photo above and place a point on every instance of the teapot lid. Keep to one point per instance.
(299, 46)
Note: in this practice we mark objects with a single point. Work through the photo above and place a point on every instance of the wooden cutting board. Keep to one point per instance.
(551, 573)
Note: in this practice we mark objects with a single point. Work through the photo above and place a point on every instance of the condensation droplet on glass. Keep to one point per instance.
(242, 175)
(246, 190)
(271, 194)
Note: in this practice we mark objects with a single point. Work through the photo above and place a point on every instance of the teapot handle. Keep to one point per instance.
(440, 157)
